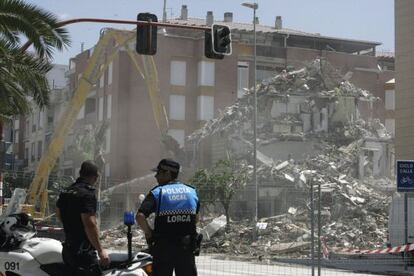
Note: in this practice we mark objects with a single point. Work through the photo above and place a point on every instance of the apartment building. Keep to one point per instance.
(194, 89)
(32, 133)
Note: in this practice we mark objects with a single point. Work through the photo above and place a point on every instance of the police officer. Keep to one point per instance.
(176, 207)
(76, 208)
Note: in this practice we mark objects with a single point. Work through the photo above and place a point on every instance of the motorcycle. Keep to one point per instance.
(23, 254)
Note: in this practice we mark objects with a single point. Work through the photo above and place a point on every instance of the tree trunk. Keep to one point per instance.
(226, 212)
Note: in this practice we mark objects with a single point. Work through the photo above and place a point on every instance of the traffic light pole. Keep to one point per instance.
(127, 22)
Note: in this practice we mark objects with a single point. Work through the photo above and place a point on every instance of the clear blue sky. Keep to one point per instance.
(371, 20)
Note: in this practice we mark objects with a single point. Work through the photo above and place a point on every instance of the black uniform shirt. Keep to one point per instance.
(75, 200)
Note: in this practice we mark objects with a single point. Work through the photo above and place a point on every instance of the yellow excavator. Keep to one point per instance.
(37, 197)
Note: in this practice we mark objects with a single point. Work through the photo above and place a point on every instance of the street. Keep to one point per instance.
(209, 265)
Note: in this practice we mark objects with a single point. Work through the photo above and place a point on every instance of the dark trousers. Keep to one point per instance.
(169, 256)
(81, 261)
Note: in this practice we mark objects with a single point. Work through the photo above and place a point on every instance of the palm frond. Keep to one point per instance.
(39, 26)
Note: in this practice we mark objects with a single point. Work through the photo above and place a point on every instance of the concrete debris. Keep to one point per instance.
(116, 238)
(210, 229)
(311, 108)
(287, 103)
(289, 247)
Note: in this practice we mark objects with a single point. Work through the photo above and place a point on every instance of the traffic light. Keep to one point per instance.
(221, 39)
(147, 35)
(208, 47)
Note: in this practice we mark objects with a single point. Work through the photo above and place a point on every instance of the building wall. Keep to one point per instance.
(404, 81)
(134, 140)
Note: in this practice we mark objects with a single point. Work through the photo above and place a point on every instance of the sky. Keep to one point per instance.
(370, 20)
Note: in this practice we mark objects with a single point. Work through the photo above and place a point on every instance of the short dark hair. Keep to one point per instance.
(88, 169)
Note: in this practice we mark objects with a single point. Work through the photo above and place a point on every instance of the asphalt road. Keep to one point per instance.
(212, 266)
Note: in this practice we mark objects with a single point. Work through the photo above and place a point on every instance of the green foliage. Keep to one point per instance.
(23, 75)
(220, 183)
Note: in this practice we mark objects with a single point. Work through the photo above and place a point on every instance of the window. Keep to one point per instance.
(178, 135)
(41, 119)
(242, 78)
(205, 108)
(90, 105)
(33, 122)
(32, 155)
(108, 140)
(100, 109)
(16, 124)
(110, 72)
(390, 126)
(39, 150)
(26, 132)
(390, 100)
(107, 170)
(16, 136)
(109, 107)
(72, 65)
(178, 72)
(26, 154)
(177, 107)
(206, 73)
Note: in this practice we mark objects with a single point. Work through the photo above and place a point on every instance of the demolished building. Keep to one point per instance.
(309, 133)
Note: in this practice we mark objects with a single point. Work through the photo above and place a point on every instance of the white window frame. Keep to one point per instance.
(108, 141)
(205, 108)
(178, 72)
(242, 78)
(107, 170)
(389, 99)
(177, 107)
(206, 73)
(109, 106)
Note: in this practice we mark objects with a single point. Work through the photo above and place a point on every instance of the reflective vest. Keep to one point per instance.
(176, 209)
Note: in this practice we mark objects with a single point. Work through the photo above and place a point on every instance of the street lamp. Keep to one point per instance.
(254, 6)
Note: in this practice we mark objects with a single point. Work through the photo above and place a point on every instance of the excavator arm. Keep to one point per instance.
(37, 197)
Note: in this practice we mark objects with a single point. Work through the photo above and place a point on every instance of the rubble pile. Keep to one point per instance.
(317, 82)
(116, 238)
(354, 211)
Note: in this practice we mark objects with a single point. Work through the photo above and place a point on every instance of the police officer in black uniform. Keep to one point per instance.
(176, 208)
(76, 208)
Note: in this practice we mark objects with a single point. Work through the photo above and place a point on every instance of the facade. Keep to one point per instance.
(31, 134)
(194, 89)
(404, 82)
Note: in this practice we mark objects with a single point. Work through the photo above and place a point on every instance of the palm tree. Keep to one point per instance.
(22, 74)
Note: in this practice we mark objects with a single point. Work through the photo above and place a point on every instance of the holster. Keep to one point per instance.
(192, 243)
(197, 244)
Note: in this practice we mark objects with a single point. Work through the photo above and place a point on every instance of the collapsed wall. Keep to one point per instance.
(316, 107)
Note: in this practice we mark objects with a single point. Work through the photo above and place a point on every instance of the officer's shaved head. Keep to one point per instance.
(88, 169)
